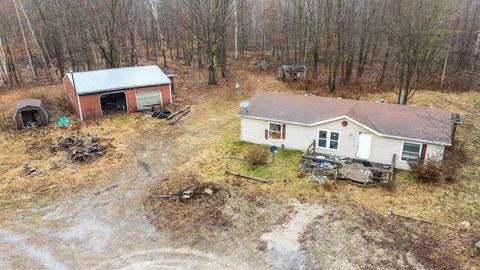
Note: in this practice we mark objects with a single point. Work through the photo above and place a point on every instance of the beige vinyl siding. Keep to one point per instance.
(435, 151)
(300, 137)
(297, 137)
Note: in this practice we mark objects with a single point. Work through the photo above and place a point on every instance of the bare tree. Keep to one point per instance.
(416, 28)
(209, 24)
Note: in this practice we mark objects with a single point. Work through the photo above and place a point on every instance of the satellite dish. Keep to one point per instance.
(244, 104)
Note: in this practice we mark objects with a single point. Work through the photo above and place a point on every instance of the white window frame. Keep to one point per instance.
(269, 132)
(328, 139)
(403, 145)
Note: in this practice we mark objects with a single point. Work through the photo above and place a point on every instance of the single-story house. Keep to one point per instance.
(364, 130)
(91, 94)
(31, 113)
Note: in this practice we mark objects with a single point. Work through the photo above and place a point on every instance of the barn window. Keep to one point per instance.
(328, 139)
(411, 151)
(275, 131)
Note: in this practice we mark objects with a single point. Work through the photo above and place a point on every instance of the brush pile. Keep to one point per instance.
(190, 193)
(181, 200)
(80, 150)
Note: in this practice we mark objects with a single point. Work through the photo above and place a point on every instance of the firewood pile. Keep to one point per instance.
(80, 150)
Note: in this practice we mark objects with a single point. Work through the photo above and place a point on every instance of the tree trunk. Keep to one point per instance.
(25, 41)
(384, 66)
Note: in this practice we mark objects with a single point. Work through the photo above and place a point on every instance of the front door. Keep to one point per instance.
(363, 146)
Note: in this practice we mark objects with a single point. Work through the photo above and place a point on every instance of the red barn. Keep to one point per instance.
(92, 94)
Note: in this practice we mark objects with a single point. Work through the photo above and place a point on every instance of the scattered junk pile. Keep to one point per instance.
(292, 73)
(358, 172)
(190, 193)
(31, 113)
(264, 64)
(27, 170)
(160, 114)
(80, 150)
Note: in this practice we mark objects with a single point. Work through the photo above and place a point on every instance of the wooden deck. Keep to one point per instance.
(357, 171)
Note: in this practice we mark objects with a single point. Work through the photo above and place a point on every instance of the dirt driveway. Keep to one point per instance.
(108, 229)
(105, 229)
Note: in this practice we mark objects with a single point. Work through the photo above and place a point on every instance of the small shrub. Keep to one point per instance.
(329, 185)
(453, 160)
(256, 156)
(457, 152)
(429, 170)
(450, 170)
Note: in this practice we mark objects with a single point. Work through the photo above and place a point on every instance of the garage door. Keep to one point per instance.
(148, 99)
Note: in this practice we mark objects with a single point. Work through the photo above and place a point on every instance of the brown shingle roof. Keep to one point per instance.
(390, 120)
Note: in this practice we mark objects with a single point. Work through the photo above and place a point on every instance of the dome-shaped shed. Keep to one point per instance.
(31, 113)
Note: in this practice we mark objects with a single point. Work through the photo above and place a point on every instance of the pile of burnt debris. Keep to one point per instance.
(80, 150)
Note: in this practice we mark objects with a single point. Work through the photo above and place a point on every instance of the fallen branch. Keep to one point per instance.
(165, 196)
(234, 157)
(268, 181)
(178, 112)
(180, 116)
(390, 211)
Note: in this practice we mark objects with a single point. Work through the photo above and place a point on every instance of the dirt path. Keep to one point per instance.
(105, 229)
(283, 245)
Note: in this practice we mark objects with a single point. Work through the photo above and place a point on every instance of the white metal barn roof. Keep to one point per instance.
(89, 82)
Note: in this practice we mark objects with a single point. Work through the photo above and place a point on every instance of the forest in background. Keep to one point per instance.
(394, 44)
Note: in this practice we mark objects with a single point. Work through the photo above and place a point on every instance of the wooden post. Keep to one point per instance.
(392, 175)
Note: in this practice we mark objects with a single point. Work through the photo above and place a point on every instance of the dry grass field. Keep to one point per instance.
(57, 174)
(240, 211)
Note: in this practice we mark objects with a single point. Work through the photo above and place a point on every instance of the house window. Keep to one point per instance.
(274, 131)
(411, 151)
(334, 136)
(328, 139)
